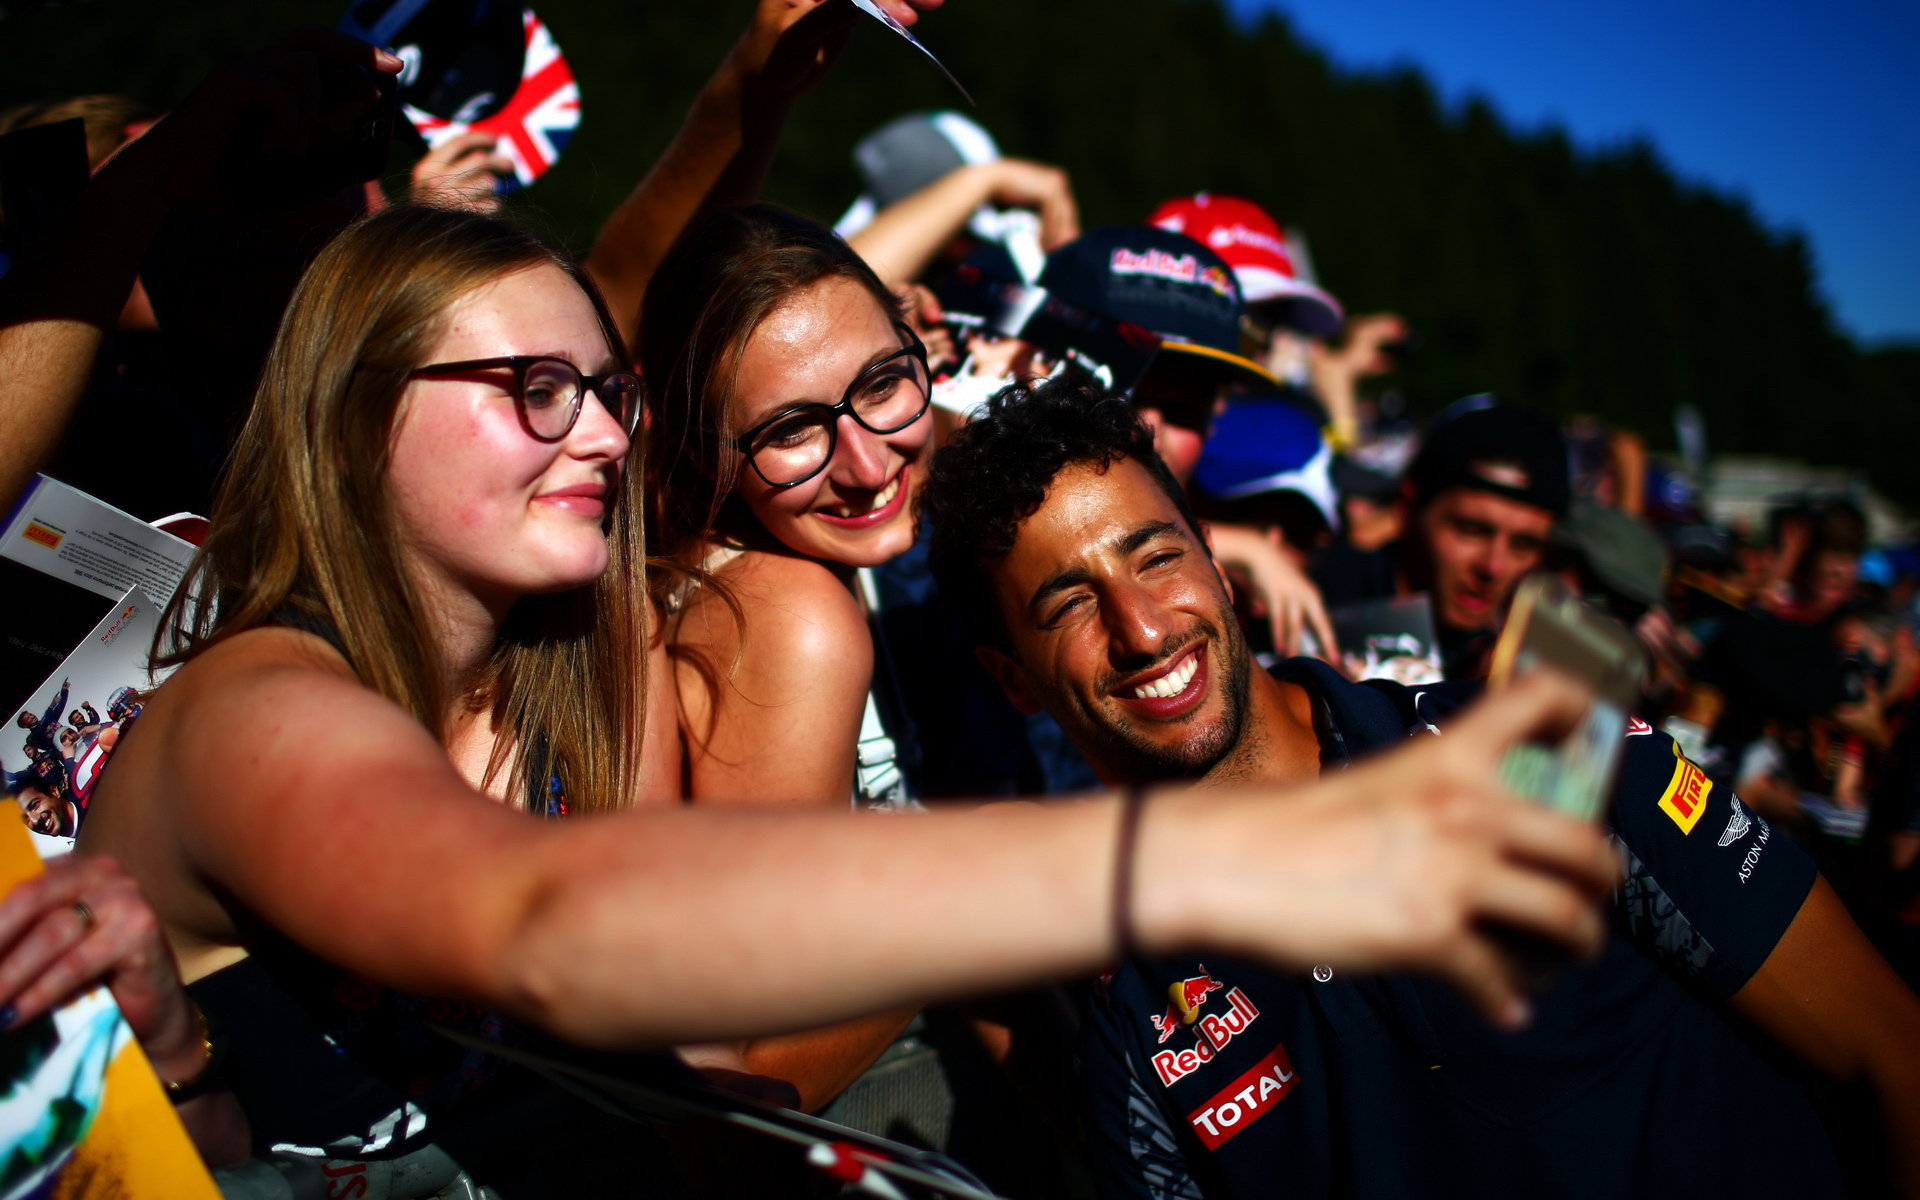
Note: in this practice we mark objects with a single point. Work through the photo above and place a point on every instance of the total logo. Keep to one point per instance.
(1245, 1100)
(1216, 1031)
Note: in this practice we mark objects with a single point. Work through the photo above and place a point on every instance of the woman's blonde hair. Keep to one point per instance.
(303, 530)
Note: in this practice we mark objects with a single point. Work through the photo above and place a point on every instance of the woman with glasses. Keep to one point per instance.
(788, 437)
(415, 628)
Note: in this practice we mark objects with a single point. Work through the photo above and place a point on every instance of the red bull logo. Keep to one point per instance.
(1216, 1031)
(1184, 1001)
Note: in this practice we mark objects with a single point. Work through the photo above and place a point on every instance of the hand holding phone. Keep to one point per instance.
(1549, 626)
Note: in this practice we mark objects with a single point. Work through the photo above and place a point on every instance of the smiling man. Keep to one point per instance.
(1097, 599)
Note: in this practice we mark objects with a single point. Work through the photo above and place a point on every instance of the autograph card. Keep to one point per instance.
(1550, 626)
(880, 14)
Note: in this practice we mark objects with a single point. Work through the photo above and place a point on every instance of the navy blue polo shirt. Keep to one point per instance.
(1220, 1078)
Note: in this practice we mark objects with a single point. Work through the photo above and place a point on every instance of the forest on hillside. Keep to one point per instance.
(1573, 278)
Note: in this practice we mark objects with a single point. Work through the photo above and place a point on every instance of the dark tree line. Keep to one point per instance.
(1578, 280)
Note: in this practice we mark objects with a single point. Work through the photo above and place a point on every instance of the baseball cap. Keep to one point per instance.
(1512, 452)
(908, 153)
(1263, 444)
(1159, 280)
(1242, 233)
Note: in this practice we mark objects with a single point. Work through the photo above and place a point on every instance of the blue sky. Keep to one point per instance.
(1810, 112)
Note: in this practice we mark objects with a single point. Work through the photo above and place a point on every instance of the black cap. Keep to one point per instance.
(1159, 280)
(1512, 452)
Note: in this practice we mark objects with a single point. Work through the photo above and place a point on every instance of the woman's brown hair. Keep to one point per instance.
(303, 532)
(724, 276)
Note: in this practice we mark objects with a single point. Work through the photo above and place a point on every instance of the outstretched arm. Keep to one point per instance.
(719, 157)
(661, 926)
(1827, 996)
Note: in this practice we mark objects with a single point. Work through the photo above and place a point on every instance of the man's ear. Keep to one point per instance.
(1011, 677)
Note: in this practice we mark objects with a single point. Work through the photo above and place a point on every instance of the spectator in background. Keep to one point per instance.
(1480, 501)
(1268, 471)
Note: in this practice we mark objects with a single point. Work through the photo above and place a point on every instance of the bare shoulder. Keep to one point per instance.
(777, 694)
(270, 712)
(797, 619)
(260, 678)
(258, 758)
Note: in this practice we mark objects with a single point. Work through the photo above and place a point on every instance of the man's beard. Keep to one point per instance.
(1132, 757)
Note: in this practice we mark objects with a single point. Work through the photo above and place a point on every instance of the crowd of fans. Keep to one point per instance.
(956, 501)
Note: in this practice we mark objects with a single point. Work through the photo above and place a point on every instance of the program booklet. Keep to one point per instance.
(81, 1112)
(66, 560)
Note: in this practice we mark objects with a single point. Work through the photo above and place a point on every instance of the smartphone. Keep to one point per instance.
(1550, 626)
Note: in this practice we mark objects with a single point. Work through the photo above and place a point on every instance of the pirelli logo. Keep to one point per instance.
(36, 532)
(1686, 795)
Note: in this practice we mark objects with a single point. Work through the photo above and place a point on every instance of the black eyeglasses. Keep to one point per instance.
(793, 446)
(549, 391)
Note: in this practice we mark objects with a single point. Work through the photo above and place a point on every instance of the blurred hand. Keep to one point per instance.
(1672, 647)
(1292, 601)
(929, 323)
(1360, 352)
(461, 172)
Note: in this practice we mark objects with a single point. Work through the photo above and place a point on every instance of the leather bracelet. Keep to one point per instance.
(1132, 802)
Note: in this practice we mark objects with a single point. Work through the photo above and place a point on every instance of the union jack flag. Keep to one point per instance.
(536, 125)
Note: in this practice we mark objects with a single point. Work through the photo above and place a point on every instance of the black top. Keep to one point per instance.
(1631, 1080)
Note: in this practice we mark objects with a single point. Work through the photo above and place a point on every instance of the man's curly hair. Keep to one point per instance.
(996, 470)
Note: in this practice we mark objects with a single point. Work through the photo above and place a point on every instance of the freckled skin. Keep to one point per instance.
(483, 503)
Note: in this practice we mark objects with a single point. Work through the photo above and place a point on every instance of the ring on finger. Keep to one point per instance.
(85, 914)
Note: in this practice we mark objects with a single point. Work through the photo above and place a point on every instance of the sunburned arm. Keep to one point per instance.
(1827, 996)
(295, 795)
(771, 704)
(780, 731)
